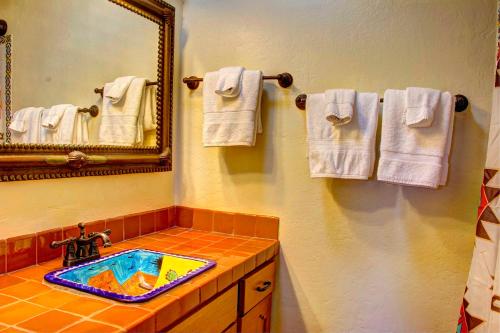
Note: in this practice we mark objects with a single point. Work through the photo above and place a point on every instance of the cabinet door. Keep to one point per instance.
(258, 320)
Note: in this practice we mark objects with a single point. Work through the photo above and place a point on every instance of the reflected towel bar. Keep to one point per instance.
(461, 102)
(93, 110)
(285, 80)
(101, 90)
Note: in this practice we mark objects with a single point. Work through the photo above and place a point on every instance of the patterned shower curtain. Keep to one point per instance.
(480, 311)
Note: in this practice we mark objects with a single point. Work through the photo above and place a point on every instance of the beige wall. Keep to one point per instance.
(30, 206)
(357, 256)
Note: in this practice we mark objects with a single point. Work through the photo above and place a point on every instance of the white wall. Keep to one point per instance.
(358, 256)
(30, 206)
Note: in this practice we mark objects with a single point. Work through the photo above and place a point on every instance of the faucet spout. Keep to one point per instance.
(106, 241)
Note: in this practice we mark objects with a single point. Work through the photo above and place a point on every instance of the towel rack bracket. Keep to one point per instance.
(461, 103)
(3, 27)
(192, 82)
(285, 80)
(300, 101)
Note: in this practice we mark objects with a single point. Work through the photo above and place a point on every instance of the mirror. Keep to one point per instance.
(84, 79)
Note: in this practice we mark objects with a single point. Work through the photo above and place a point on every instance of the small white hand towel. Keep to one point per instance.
(26, 124)
(150, 108)
(229, 81)
(421, 104)
(53, 115)
(120, 121)
(339, 105)
(232, 121)
(118, 88)
(415, 156)
(81, 135)
(64, 133)
(345, 151)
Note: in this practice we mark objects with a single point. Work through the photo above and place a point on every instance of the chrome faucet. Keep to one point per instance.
(86, 246)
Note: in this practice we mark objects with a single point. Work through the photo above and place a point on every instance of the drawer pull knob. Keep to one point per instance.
(264, 287)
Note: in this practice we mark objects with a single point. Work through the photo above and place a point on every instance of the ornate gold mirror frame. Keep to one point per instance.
(39, 161)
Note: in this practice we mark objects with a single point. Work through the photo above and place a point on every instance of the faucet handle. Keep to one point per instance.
(82, 229)
(56, 244)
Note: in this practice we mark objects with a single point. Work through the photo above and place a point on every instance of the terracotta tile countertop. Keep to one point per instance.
(30, 304)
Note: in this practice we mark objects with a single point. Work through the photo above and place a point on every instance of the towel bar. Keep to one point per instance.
(93, 110)
(101, 90)
(461, 102)
(285, 80)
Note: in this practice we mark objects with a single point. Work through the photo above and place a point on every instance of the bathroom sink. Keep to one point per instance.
(132, 275)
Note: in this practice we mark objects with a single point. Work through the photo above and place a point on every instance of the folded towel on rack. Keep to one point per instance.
(64, 133)
(81, 133)
(229, 81)
(25, 125)
(53, 115)
(339, 105)
(232, 121)
(345, 151)
(149, 108)
(117, 89)
(421, 104)
(415, 156)
(120, 121)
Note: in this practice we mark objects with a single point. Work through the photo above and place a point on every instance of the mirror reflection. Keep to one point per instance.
(83, 72)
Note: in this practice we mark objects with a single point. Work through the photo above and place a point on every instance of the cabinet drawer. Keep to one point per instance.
(214, 317)
(258, 320)
(257, 286)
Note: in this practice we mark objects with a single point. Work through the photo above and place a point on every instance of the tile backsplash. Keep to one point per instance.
(26, 250)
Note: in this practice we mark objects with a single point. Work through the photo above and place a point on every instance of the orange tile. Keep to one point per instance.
(95, 226)
(184, 216)
(203, 219)
(260, 243)
(224, 222)
(193, 234)
(20, 311)
(225, 279)
(4, 300)
(207, 284)
(245, 225)
(51, 321)
(31, 273)
(9, 280)
(147, 223)
(168, 311)
(261, 258)
(189, 296)
(71, 231)
(25, 289)
(250, 264)
(144, 325)
(213, 238)
(2, 327)
(162, 219)
(43, 240)
(131, 226)
(84, 306)
(227, 243)
(21, 252)
(174, 231)
(53, 298)
(116, 226)
(12, 330)
(171, 216)
(3, 256)
(123, 316)
(267, 227)
(198, 243)
(88, 326)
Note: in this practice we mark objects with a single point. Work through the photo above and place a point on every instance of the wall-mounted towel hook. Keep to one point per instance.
(93, 110)
(3, 27)
(461, 102)
(285, 80)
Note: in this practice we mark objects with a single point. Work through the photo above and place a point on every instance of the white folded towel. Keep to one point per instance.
(64, 133)
(421, 104)
(229, 81)
(149, 108)
(81, 134)
(415, 156)
(232, 121)
(345, 151)
(52, 116)
(117, 89)
(339, 105)
(25, 125)
(120, 121)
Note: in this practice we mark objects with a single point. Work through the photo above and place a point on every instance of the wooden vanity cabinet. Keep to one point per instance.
(243, 308)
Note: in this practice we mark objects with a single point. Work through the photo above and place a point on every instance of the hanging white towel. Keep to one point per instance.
(421, 104)
(120, 121)
(117, 89)
(150, 108)
(229, 81)
(81, 134)
(232, 121)
(345, 151)
(415, 156)
(339, 105)
(64, 133)
(25, 125)
(51, 118)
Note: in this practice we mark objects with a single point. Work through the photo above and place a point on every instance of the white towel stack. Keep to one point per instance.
(232, 121)
(120, 123)
(415, 156)
(346, 151)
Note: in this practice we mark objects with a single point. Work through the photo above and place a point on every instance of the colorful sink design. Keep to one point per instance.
(132, 275)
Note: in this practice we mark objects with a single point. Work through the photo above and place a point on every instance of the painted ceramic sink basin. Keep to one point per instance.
(132, 275)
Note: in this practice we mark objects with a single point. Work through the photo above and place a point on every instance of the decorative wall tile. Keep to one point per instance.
(131, 226)
(44, 238)
(147, 223)
(21, 252)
